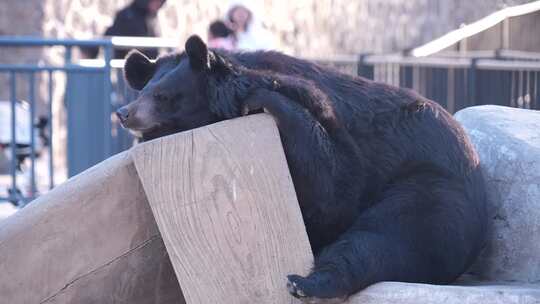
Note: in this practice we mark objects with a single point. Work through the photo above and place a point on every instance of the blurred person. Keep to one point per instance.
(138, 19)
(248, 28)
(220, 36)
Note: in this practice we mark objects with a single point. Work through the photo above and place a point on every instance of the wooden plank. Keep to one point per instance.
(92, 239)
(226, 208)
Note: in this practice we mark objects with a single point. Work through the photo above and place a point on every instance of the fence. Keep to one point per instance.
(95, 88)
(453, 79)
(93, 91)
(509, 78)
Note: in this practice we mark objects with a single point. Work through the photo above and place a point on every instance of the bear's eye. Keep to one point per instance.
(160, 97)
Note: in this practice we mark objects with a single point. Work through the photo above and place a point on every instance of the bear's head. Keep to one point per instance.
(181, 91)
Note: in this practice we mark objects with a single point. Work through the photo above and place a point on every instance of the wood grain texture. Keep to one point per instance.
(225, 205)
(90, 240)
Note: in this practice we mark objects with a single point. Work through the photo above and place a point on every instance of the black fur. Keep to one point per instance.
(197, 53)
(388, 183)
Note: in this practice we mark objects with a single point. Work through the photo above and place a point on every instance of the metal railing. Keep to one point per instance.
(16, 157)
(453, 79)
(459, 82)
(93, 90)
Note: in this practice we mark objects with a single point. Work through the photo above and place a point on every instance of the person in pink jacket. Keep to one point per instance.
(249, 31)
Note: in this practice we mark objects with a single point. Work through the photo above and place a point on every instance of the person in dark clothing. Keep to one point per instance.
(220, 36)
(137, 19)
(218, 28)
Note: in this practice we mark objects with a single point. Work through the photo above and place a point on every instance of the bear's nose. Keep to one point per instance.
(122, 114)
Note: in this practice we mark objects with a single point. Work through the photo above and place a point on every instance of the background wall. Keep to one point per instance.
(302, 27)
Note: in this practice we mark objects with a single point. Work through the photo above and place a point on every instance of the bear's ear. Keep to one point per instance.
(138, 69)
(197, 53)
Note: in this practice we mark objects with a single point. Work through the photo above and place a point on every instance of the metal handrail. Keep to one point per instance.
(493, 64)
(115, 41)
(460, 62)
(45, 68)
(518, 54)
(29, 41)
(424, 61)
(125, 42)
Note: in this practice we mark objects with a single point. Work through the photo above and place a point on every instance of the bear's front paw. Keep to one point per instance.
(310, 291)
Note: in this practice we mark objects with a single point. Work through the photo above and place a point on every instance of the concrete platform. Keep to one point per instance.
(485, 293)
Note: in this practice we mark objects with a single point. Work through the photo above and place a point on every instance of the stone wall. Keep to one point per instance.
(304, 27)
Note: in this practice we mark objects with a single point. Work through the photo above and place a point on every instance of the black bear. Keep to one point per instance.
(388, 183)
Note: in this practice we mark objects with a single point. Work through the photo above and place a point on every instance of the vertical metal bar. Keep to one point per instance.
(520, 89)
(13, 145)
(527, 97)
(450, 90)
(388, 74)
(68, 55)
(360, 66)
(32, 81)
(415, 78)
(512, 88)
(363, 69)
(50, 123)
(395, 75)
(471, 101)
(401, 79)
(536, 104)
(422, 79)
(108, 49)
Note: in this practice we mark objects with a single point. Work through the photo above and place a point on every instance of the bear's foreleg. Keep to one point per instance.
(309, 150)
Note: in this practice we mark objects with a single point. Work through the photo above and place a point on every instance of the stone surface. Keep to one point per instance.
(508, 143)
(407, 293)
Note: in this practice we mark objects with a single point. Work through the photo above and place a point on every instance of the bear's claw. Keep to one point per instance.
(298, 288)
(294, 290)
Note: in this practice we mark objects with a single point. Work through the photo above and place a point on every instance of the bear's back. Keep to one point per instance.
(395, 125)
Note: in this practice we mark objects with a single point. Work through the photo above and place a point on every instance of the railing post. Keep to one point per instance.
(32, 100)
(536, 99)
(363, 69)
(68, 55)
(50, 127)
(108, 50)
(471, 100)
(13, 197)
